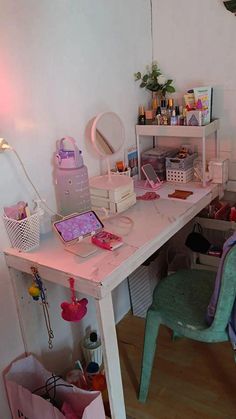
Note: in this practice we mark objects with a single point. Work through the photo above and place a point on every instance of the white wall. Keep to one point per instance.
(194, 43)
(62, 62)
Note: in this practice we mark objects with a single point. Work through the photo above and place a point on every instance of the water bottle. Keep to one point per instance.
(71, 178)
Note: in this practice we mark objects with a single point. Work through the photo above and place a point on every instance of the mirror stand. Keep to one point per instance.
(114, 192)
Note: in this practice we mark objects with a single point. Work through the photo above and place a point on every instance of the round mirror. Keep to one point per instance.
(108, 134)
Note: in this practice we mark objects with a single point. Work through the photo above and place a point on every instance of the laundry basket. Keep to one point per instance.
(23, 234)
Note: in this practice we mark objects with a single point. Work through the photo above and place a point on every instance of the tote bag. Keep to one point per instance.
(27, 375)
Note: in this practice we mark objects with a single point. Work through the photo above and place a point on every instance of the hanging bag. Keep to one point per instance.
(196, 241)
(26, 383)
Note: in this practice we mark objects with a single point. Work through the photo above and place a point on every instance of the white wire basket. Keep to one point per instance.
(24, 234)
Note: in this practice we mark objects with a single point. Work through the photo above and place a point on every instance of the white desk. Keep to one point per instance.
(154, 222)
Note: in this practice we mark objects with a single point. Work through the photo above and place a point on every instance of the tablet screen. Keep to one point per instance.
(78, 225)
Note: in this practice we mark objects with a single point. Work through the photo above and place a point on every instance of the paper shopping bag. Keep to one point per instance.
(25, 385)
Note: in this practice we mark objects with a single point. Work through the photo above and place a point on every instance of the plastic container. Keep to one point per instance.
(179, 176)
(24, 234)
(92, 349)
(157, 158)
(71, 178)
(180, 164)
(45, 219)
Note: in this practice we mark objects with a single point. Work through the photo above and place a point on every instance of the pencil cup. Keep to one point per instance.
(92, 349)
(23, 234)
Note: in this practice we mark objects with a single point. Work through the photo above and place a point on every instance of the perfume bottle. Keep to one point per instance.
(158, 116)
(141, 117)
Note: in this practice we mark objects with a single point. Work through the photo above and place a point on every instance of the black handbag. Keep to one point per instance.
(196, 241)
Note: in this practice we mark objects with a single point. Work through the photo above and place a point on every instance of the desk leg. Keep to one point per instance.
(106, 321)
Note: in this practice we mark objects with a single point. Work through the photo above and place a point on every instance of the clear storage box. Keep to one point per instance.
(157, 158)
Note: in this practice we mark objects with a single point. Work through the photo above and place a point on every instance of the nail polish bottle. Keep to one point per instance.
(141, 117)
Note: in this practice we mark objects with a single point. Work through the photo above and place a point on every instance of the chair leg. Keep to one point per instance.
(151, 332)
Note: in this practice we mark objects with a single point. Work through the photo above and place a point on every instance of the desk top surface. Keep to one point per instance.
(145, 227)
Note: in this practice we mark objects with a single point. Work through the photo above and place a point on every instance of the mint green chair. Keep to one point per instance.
(180, 302)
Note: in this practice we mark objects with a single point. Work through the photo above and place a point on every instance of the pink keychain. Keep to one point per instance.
(76, 310)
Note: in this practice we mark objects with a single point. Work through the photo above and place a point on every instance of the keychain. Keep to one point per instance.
(37, 291)
(76, 309)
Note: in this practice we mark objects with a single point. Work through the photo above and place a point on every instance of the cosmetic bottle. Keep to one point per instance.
(163, 107)
(141, 116)
(149, 116)
(92, 348)
(173, 118)
(169, 110)
(154, 106)
(158, 116)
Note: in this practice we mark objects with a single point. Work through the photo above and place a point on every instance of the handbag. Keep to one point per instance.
(27, 383)
(196, 241)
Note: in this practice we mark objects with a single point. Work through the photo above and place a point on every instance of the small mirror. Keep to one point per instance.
(108, 134)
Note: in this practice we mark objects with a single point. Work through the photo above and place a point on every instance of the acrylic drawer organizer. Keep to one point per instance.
(24, 234)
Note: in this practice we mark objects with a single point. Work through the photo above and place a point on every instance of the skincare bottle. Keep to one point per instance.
(141, 117)
(173, 118)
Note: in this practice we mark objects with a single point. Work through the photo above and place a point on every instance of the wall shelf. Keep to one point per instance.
(180, 131)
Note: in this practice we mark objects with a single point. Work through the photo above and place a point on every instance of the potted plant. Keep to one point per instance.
(154, 81)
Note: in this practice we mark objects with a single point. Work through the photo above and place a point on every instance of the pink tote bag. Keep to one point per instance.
(28, 374)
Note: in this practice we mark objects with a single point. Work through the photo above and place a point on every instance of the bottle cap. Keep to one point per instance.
(93, 337)
(92, 368)
(163, 103)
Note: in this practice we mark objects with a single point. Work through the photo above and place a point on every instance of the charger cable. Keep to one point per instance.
(5, 146)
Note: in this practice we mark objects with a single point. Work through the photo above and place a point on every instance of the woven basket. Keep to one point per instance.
(24, 234)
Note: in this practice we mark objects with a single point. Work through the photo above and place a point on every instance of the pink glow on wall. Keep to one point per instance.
(8, 97)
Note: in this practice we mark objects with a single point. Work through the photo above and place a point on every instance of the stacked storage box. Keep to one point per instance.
(180, 170)
(157, 158)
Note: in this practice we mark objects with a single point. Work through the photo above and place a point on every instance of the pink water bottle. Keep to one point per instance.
(71, 178)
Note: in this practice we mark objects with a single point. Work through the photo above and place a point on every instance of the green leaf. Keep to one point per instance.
(170, 89)
(143, 84)
(169, 82)
(145, 78)
(137, 76)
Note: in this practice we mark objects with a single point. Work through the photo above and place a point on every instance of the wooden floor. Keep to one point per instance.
(190, 380)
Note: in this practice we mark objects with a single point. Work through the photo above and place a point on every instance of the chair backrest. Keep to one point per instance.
(227, 292)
